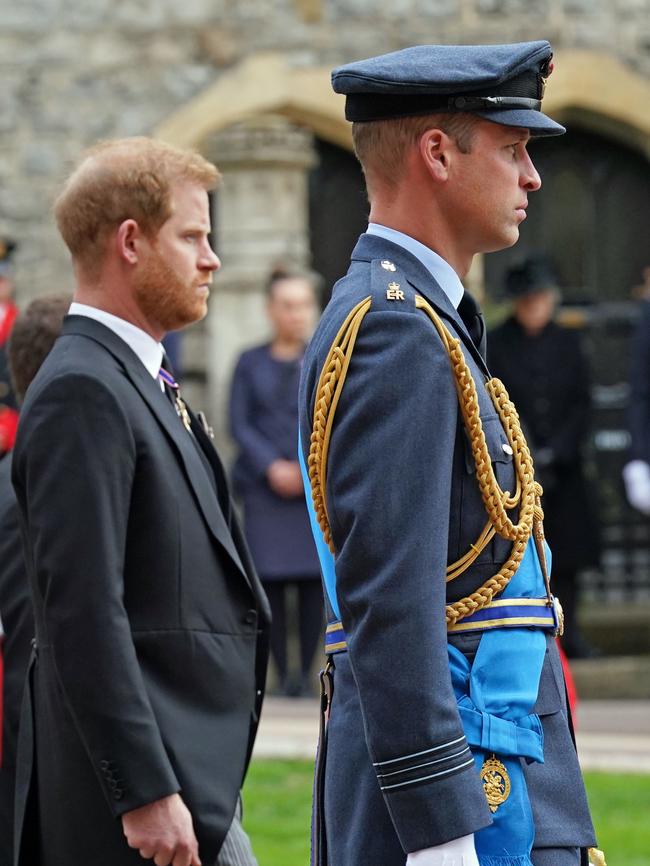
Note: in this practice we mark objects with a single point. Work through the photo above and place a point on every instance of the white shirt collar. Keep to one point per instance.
(440, 270)
(148, 350)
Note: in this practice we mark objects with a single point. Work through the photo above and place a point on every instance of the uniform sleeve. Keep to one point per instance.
(388, 493)
(73, 472)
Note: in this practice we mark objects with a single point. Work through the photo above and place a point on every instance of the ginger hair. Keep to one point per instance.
(381, 145)
(121, 179)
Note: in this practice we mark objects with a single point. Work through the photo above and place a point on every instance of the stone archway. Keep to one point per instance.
(261, 84)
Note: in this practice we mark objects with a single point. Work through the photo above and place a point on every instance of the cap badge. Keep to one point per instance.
(545, 71)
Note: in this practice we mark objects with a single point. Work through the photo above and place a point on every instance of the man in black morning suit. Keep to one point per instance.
(151, 625)
(441, 626)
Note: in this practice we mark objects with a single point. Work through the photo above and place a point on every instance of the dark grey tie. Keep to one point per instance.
(472, 317)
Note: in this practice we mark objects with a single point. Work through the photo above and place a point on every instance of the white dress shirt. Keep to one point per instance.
(148, 350)
(440, 270)
(458, 852)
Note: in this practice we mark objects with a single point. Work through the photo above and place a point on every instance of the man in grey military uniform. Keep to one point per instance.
(448, 741)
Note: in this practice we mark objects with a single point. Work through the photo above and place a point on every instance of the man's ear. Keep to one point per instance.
(434, 148)
(126, 241)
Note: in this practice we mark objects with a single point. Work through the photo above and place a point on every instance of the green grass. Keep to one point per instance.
(277, 809)
(620, 807)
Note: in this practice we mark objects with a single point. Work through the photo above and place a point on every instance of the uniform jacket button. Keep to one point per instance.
(251, 617)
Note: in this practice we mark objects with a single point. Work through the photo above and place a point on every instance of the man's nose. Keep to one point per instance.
(530, 179)
(210, 261)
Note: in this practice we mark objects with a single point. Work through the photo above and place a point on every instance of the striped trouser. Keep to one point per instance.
(236, 849)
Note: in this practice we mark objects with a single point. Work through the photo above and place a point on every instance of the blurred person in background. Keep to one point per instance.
(264, 423)
(8, 313)
(636, 473)
(545, 372)
(34, 333)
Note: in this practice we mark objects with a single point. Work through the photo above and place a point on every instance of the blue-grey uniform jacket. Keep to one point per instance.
(403, 502)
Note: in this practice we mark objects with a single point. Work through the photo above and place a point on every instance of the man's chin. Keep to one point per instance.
(508, 239)
(186, 318)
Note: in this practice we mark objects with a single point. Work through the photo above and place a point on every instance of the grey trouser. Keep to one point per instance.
(236, 849)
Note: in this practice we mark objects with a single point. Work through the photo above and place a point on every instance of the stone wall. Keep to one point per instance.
(72, 72)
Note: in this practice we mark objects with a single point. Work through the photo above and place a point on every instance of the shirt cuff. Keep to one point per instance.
(458, 852)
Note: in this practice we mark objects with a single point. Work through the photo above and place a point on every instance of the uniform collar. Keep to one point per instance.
(441, 271)
(148, 350)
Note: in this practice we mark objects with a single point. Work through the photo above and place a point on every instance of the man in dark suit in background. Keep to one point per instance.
(545, 371)
(151, 625)
(32, 337)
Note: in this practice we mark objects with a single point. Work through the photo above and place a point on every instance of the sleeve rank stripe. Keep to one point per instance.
(420, 754)
(426, 778)
(427, 764)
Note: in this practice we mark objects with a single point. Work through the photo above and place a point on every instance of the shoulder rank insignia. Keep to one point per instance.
(496, 782)
(388, 266)
(394, 293)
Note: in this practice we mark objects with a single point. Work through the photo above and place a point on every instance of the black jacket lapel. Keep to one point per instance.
(166, 416)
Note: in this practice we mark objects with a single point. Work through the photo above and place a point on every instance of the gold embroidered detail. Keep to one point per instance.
(496, 782)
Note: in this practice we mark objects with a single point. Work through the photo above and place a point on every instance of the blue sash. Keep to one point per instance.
(495, 697)
(324, 553)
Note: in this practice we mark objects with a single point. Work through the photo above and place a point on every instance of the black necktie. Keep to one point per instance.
(472, 317)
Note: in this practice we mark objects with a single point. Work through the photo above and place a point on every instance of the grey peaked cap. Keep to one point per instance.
(501, 83)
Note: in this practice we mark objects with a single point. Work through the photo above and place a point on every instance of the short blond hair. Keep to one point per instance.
(381, 145)
(120, 179)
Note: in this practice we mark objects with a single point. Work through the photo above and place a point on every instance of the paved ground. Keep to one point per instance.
(612, 735)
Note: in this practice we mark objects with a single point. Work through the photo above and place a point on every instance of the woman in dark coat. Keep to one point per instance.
(264, 423)
(545, 372)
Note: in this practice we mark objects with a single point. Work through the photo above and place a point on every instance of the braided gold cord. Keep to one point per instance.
(328, 391)
(497, 502)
